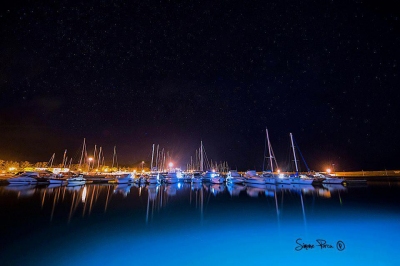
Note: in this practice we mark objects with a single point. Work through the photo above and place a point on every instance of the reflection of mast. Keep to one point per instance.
(302, 206)
(201, 204)
(277, 209)
(152, 197)
(108, 198)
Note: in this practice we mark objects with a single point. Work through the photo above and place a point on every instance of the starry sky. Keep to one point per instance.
(133, 73)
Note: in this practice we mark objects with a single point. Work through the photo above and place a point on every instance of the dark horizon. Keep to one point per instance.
(135, 74)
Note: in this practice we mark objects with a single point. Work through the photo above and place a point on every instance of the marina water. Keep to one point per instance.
(200, 224)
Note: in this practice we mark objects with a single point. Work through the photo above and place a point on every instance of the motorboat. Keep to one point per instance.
(24, 178)
(173, 177)
(124, 179)
(251, 177)
(76, 180)
(332, 180)
(153, 178)
(58, 180)
(208, 175)
(217, 180)
(234, 177)
(196, 178)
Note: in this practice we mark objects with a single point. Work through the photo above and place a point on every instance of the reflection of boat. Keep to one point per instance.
(217, 188)
(73, 187)
(171, 189)
(24, 178)
(283, 186)
(255, 191)
(54, 185)
(152, 190)
(123, 189)
(23, 190)
(334, 187)
(304, 188)
(196, 185)
(76, 180)
(235, 189)
(124, 179)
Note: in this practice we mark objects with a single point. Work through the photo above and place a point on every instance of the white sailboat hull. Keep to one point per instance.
(301, 181)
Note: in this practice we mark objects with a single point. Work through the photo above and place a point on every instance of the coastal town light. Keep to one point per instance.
(328, 170)
(170, 165)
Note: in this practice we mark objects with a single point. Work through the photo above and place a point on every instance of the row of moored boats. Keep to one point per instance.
(233, 177)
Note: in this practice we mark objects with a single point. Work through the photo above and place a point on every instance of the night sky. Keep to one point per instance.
(173, 73)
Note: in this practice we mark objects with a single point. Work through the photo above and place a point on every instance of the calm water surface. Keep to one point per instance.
(206, 224)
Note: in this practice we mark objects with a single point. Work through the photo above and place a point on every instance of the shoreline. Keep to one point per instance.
(373, 176)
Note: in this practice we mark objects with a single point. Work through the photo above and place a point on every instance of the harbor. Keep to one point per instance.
(263, 223)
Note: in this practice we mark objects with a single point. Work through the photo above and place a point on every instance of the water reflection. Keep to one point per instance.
(261, 220)
(22, 190)
(235, 189)
(82, 199)
(123, 189)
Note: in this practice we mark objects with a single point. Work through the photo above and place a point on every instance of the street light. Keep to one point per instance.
(328, 170)
(90, 159)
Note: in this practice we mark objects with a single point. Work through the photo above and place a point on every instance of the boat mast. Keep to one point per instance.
(83, 150)
(269, 150)
(157, 162)
(115, 158)
(294, 153)
(201, 156)
(64, 161)
(99, 158)
(152, 156)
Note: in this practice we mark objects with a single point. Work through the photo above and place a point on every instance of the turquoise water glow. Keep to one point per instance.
(199, 225)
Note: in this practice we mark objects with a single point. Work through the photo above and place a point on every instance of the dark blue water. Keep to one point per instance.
(200, 225)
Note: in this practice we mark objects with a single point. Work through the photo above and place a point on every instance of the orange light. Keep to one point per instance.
(328, 170)
(170, 164)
